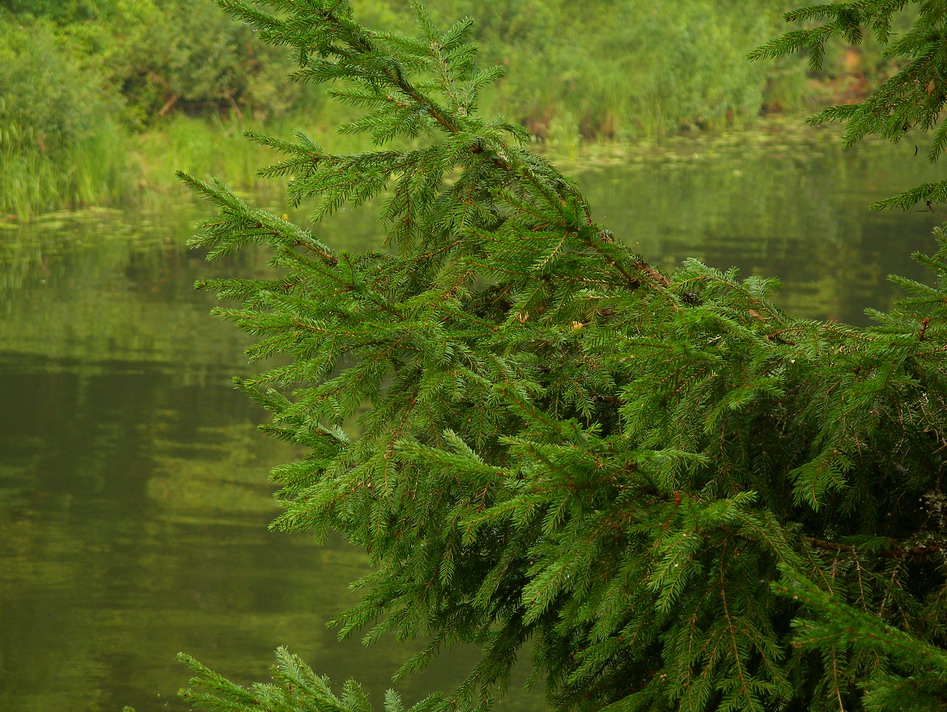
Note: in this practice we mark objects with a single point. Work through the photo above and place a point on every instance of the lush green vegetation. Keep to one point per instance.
(94, 94)
(676, 496)
(80, 81)
(57, 141)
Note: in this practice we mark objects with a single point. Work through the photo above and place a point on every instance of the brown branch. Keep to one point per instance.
(892, 553)
(168, 104)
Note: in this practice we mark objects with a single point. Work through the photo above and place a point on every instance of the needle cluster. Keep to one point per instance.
(668, 492)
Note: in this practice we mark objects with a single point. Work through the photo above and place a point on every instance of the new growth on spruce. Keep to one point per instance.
(680, 497)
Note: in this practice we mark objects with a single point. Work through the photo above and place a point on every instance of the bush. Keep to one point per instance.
(194, 59)
(47, 100)
(52, 112)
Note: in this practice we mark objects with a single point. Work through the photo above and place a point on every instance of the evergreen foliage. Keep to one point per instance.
(681, 497)
(295, 687)
(912, 98)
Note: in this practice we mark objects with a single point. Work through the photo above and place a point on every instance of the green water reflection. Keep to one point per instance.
(133, 494)
(791, 204)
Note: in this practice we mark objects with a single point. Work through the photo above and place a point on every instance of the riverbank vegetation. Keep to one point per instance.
(101, 99)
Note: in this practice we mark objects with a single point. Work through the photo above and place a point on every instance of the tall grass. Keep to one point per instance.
(631, 69)
(94, 170)
(214, 147)
(113, 166)
(217, 147)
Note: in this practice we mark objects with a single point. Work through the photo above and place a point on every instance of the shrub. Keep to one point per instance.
(52, 112)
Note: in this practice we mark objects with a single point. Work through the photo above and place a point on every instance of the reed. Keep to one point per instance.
(217, 146)
(93, 171)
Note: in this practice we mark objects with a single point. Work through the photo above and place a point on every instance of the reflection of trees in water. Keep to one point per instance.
(133, 511)
(138, 527)
(92, 298)
(101, 285)
(796, 212)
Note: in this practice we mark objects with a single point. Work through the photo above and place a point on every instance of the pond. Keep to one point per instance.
(133, 485)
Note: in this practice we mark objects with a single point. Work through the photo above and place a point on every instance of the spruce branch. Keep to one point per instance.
(538, 436)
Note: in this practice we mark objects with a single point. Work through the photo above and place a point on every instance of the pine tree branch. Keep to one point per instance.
(532, 446)
(393, 74)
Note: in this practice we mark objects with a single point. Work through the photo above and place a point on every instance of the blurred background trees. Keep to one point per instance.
(618, 69)
(81, 79)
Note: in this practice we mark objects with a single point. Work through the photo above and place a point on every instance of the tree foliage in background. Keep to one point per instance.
(163, 57)
(610, 75)
(622, 69)
(78, 79)
(46, 104)
(679, 496)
